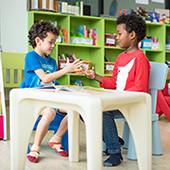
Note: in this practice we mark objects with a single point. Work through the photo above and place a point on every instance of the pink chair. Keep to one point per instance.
(163, 102)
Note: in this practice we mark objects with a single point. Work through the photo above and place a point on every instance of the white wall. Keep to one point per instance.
(13, 23)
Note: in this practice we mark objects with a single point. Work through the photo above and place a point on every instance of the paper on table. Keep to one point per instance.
(76, 89)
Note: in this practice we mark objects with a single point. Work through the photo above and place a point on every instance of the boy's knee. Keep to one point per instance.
(49, 113)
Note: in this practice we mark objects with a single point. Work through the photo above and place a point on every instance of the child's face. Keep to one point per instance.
(123, 36)
(47, 44)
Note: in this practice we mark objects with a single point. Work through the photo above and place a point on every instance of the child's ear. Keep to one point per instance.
(133, 35)
(37, 40)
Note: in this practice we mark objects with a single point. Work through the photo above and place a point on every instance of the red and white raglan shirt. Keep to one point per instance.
(131, 73)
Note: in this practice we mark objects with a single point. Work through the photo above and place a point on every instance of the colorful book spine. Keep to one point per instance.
(87, 33)
(94, 36)
(60, 6)
(82, 29)
(65, 35)
(80, 5)
(90, 33)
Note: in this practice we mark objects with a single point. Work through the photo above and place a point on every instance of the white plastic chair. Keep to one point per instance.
(157, 80)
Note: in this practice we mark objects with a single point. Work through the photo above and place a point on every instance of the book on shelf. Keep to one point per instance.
(34, 4)
(71, 56)
(63, 34)
(51, 4)
(87, 90)
(82, 29)
(61, 57)
(80, 5)
(94, 36)
(56, 6)
(44, 6)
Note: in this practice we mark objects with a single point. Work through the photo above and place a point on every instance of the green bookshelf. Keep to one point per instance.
(96, 54)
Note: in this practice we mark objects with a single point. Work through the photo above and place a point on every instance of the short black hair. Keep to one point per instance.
(40, 29)
(133, 23)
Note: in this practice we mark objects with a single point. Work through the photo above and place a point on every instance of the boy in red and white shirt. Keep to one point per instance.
(131, 73)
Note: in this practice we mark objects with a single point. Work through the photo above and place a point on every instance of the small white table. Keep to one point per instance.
(26, 104)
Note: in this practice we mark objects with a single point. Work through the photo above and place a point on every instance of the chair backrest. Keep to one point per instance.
(13, 69)
(157, 80)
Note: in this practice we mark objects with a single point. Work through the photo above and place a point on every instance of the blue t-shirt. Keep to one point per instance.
(34, 61)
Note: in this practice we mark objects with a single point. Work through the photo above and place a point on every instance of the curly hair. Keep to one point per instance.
(40, 29)
(133, 23)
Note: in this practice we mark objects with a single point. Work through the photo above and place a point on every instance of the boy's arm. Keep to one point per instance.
(141, 82)
(70, 67)
(106, 82)
(91, 74)
(110, 82)
(46, 78)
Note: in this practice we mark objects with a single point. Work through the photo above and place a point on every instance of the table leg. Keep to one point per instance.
(94, 136)
(20, 114)
(141, 131)
(73, 132)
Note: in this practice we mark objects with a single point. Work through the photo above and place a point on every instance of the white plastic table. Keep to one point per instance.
(26, 104)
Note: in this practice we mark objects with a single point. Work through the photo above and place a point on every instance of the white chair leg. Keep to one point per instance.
(131, 148)
(125, 135)
(156, 139)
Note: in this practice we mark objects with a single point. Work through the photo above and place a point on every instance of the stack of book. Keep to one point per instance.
(84, 36)
(56, 6)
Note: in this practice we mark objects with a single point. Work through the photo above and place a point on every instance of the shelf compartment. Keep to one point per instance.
(112, 53)
(86, 54)
(90, 22)
(85, 81)
(155, 56)
(157, 30)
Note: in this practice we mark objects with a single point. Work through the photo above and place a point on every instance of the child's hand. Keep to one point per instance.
(89, 73)
(74, 66)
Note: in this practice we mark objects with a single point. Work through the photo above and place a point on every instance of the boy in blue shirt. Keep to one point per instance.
(41, 70)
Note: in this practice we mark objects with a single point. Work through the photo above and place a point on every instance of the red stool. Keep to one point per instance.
(163, 102)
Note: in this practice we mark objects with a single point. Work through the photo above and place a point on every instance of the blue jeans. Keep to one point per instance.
(110, 134)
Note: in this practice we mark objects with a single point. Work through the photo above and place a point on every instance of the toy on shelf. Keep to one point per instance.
(142, 13)
(163, 15)
(123, 12)
(164, 19)
(153, 17)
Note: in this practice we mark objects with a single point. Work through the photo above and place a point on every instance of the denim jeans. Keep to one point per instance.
(110, 134)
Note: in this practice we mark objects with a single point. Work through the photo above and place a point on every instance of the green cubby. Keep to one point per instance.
(96, 54)
(157, 30)
(155, 56)
(111, 53)
(90, 23)
(110, 26)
